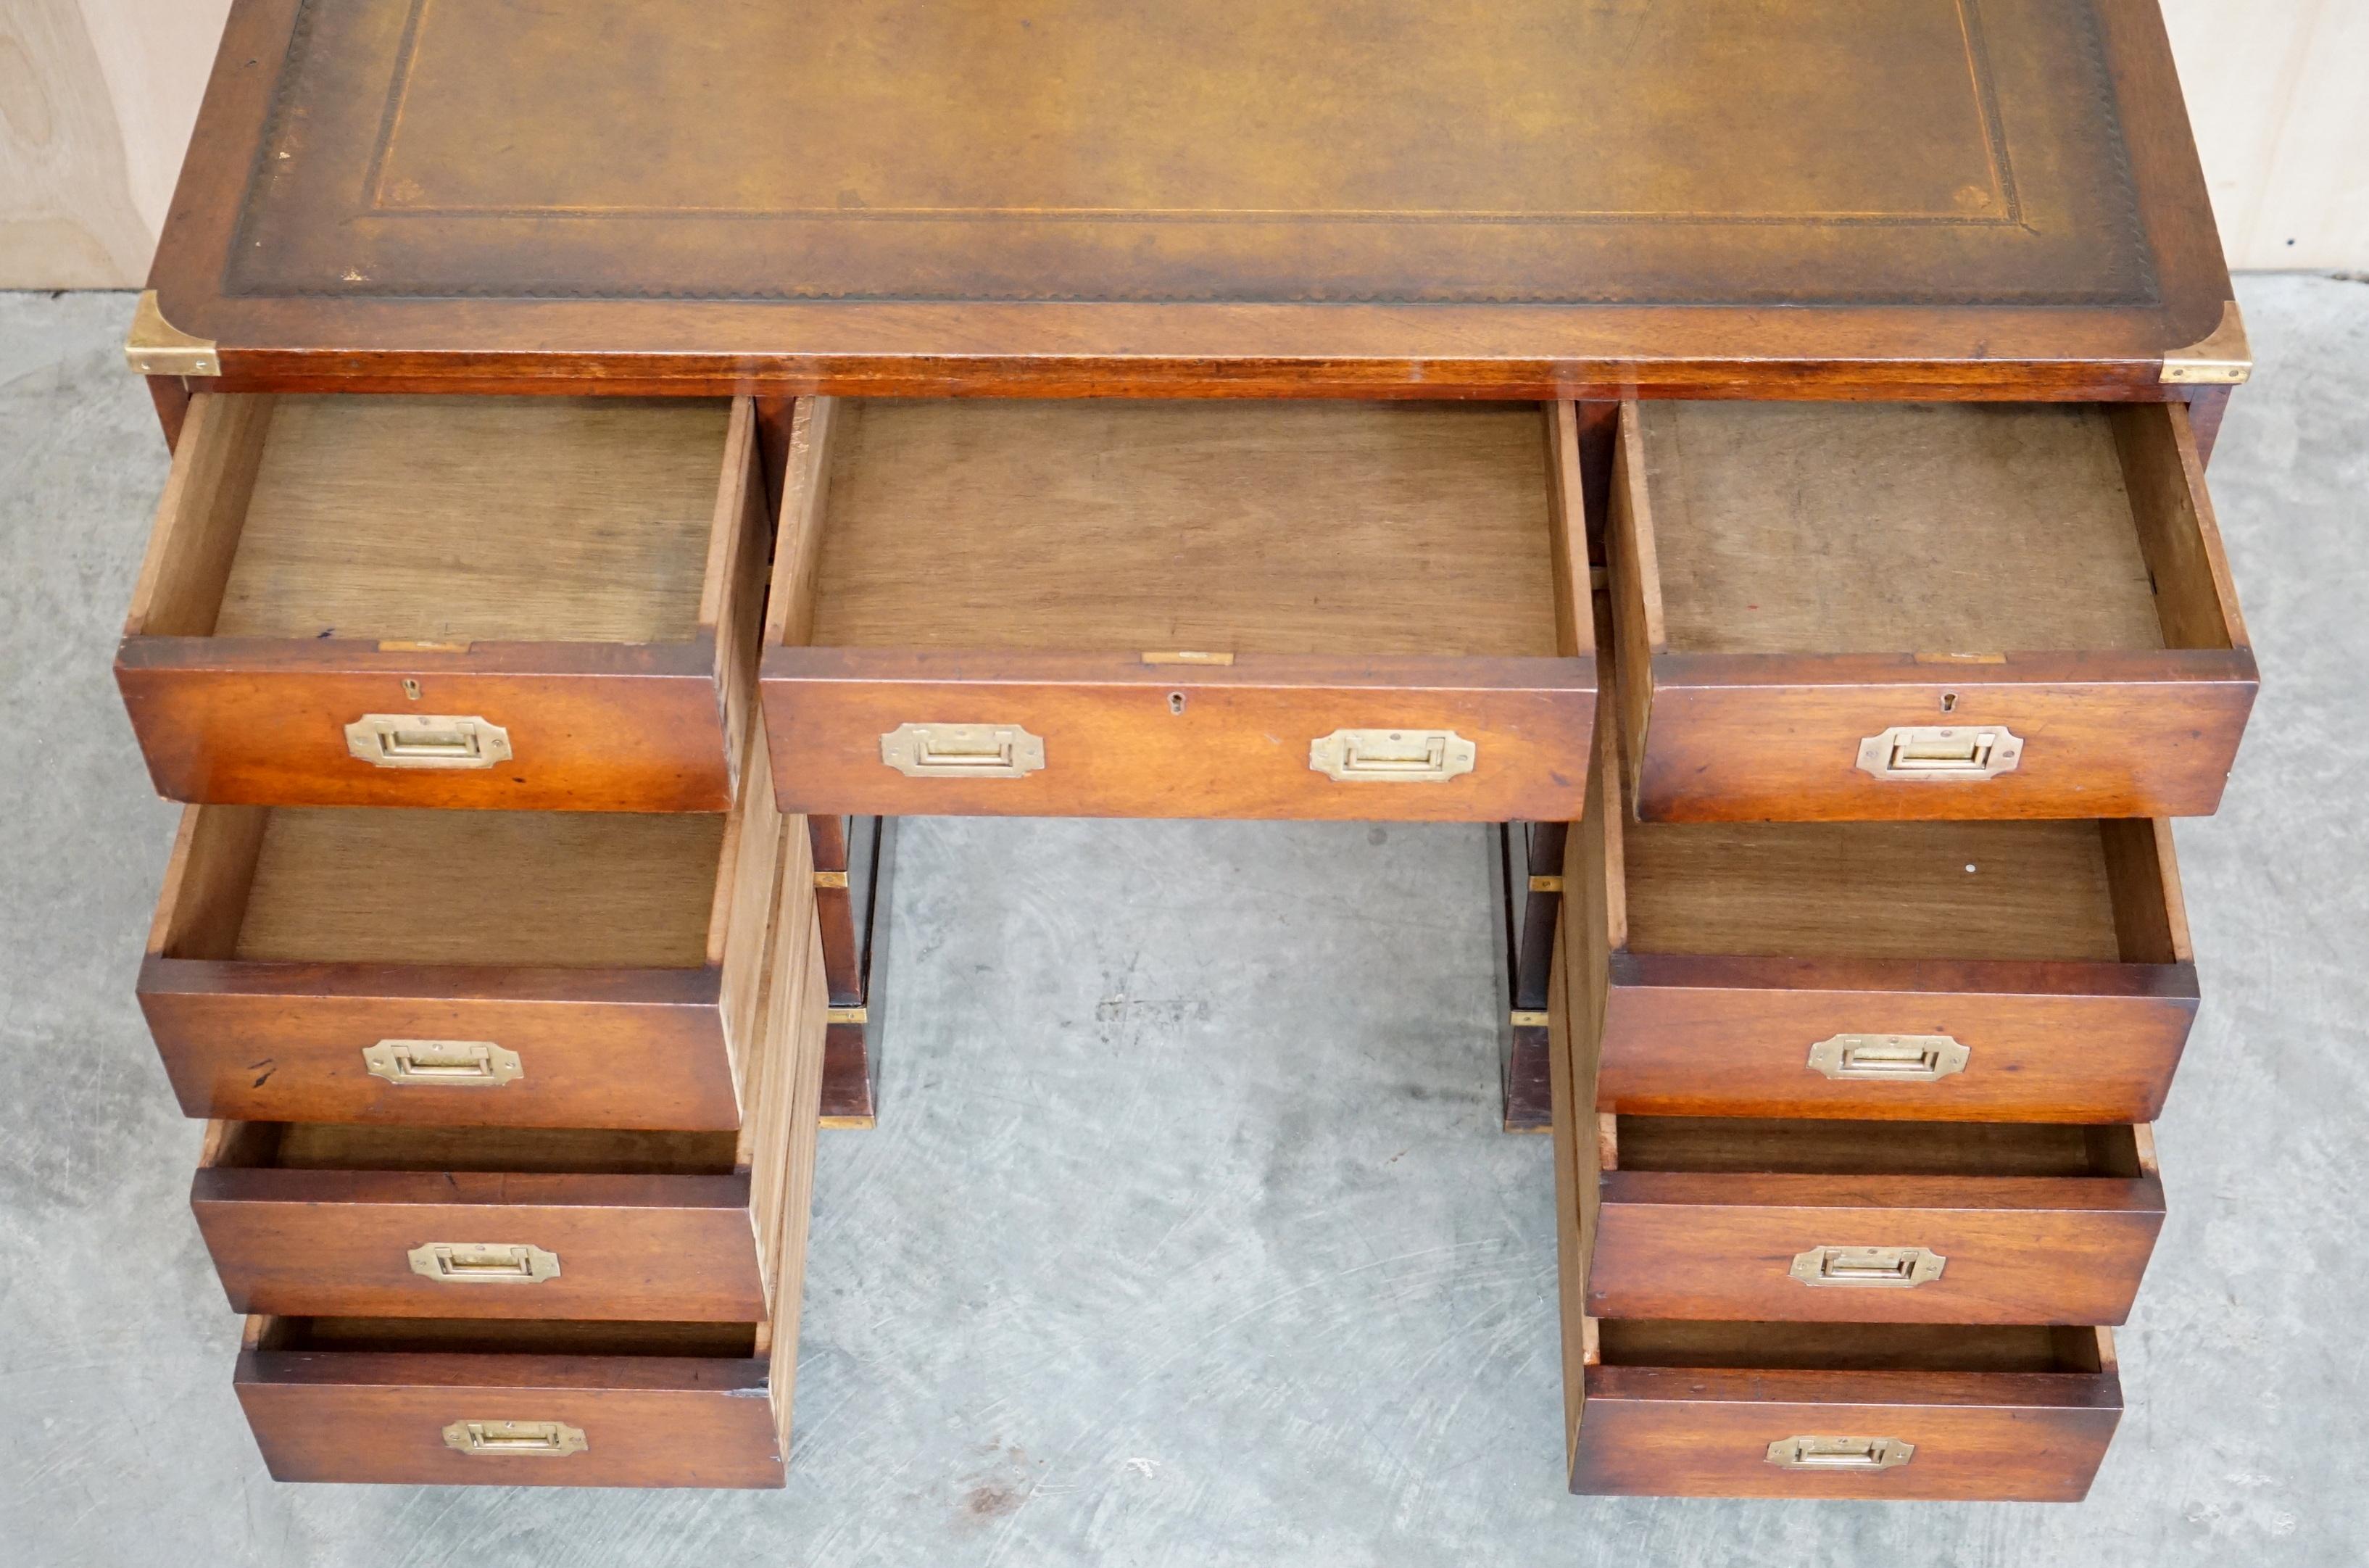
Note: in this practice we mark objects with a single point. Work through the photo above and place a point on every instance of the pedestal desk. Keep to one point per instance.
(627, 454)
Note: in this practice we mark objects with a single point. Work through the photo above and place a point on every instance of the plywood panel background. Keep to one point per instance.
(2276, 93)
(96, 97)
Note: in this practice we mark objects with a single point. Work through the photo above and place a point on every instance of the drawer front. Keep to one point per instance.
(1863, 1249)
(644, 1420)
(1108, 736)
(475, 1244)
(593, 729)
(328, 1043)
(1971, 1042)
(1707, 1433)
(1745, 737)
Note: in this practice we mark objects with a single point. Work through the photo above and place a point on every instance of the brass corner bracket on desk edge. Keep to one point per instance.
(2223, 359)
(156, 347)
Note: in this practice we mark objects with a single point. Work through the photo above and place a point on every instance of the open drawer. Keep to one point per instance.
(1676, 1409)
(1928, 971)
(1887, 610)
(493, 1401)
(472, 1403)
(538, 603)
(1955, 1222)
(469, 968)
(348, 1219)
(1204, 609)
(1807, 1409)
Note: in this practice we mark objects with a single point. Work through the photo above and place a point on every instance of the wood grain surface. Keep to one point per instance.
(648, 1420)
(618, 956)
(1239, 200)
(1703, 1218)
(2008, 1437)
(1178, 599)
(1817, 574)
(318, 559)
(1279, 528)
(1725, 952)
(674, 1226)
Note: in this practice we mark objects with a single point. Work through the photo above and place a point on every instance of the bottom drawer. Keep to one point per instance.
(1842, 1409)
(426, 1401)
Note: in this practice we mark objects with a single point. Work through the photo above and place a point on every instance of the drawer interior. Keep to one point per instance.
(1822, 528)
(313, 1146)
(501, 1337)
(359, 884)
(1761, 1145)
(1849, 1348)
(442, 519)
(2042, 890)
(1205, 526)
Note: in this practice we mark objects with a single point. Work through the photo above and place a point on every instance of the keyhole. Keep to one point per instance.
(1175, 702)
(1948, 702)
(411, 690)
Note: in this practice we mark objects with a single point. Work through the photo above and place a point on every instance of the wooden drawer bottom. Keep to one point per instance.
(1844, 1411)
(430, 1401)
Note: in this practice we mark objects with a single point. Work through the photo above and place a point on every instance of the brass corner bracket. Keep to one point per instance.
(156, 347)
(2223, 359)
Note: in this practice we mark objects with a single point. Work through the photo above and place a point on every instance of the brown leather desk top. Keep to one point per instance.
(1525, 198)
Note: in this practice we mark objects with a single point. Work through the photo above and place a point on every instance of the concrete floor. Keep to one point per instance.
(1186, 1235)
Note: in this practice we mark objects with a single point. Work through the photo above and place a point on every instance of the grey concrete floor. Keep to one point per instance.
(1186, 1235)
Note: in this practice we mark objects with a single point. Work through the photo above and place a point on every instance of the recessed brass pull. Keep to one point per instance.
(426, 741)
(1889, 1058)
(1840, 1453)
(1940, 751)
(962, 750)
(459, 1064)
(549, 1438)
(490, 1262)
(1392, 756)
(1869, 1268)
